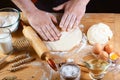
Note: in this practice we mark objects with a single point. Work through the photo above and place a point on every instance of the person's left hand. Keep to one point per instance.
(73, 12)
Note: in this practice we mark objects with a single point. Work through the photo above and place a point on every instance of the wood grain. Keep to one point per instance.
(113, 20)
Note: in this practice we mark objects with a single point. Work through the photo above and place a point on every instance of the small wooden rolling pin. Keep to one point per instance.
(38, 45)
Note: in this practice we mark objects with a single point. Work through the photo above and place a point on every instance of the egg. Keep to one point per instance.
(114, 56)
(97, 48)
(103, 55)
(108, 48)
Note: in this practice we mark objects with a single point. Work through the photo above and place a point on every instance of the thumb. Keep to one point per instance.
(53, 18)
(60, 7)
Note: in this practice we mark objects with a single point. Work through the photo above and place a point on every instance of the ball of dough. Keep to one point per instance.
(99, 33)
(67, 41)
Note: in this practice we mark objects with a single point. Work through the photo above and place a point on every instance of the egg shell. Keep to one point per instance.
(103, 55)
(97, 48)
(118, 53)
(108, 48)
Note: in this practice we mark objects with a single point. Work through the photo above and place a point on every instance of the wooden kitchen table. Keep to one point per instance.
(34, 73)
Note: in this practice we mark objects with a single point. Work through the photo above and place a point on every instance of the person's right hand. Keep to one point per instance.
(42, 22)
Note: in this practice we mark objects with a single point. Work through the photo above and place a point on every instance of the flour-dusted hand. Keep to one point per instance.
(42, 22)
(73, 12)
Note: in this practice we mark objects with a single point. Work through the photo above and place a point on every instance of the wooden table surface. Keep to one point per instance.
(113, 20)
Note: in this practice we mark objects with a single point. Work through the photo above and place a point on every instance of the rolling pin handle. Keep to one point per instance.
(45, 55)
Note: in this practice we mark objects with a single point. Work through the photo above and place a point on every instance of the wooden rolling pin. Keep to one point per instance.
(35, 41)
(38, 45)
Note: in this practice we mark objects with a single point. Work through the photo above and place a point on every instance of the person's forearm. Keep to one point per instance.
(25, 5)
(84, 2)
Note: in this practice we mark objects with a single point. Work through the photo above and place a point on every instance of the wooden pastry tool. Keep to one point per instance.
(38, 46)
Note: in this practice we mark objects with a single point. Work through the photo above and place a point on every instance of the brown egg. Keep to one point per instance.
(97, 48)
(103, 55)
(108, 48)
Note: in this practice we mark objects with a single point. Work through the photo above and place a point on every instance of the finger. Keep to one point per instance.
(50, 37)
(60, 7)
(41, 33)
(63, 20)
(54, 19)
(57, 32)
(71, 24)
(52, 33)
(77, 21)
(67, 21)
(46, 32)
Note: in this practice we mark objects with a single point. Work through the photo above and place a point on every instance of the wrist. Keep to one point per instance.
(29, 9)
(84, 2)
(26, 6)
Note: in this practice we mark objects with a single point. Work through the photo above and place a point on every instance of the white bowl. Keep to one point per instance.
(9, 18)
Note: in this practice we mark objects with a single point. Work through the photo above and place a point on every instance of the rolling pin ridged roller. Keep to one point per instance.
(36, 42)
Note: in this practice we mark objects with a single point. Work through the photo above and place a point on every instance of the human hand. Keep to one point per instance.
(73, 12)
(42, 22)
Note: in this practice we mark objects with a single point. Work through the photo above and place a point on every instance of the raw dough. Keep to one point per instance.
(67, 41)
(99, 33)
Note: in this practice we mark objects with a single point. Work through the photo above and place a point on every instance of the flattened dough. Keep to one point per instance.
(68, 40)
(99, 33)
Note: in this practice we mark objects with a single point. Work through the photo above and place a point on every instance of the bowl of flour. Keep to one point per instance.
(9, 18)
(70, 71)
